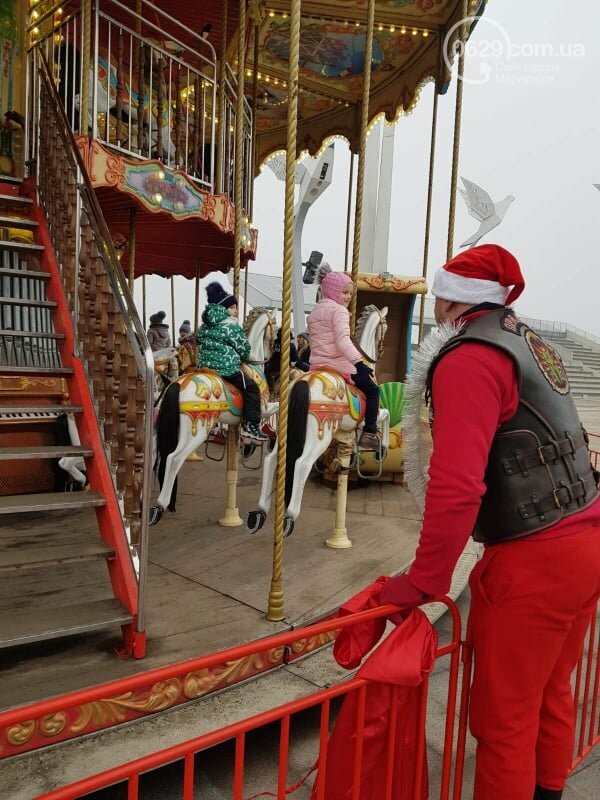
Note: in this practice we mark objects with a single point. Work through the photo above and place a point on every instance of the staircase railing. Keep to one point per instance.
(549, 326)
(109, 336)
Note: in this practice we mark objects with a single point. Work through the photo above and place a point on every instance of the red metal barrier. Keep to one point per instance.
(586, 698)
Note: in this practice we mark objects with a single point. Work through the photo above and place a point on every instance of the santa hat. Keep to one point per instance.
(216, 294)
(482, 274)
(332, 283)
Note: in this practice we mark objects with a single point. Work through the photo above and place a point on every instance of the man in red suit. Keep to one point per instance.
(510, 466)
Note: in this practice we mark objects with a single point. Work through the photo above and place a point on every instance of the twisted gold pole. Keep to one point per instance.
(132, 235)
(219, 182)
(86, 65)
(275, 605)
(360, 176)
(239, 151)
(429, 199)
(457, 122)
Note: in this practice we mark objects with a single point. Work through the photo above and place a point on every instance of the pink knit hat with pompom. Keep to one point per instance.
(333, 283)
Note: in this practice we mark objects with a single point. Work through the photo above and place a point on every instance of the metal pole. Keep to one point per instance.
(275, 611)
(254, 97)
(349, 211)
(86, 11)
(239, 151)
(457, 121)
(429, 201)
(221, 128)
(360, 177)
(197, 298)
(173, 328)
(132, 235)
(144, 315)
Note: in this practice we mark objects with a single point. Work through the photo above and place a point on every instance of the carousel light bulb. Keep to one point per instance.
(285, 16)
(59, 11)
(414, 33)
(157, 197)
(392, 28)
(425, 34)
(35, 14)
(380, 27)
(403, 29)
(160, 175)
(271, 13)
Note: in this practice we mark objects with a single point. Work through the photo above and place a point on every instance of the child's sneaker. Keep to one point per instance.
(252, 430)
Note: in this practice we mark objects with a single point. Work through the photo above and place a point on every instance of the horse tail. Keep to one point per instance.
(167, 430)
(296, 432)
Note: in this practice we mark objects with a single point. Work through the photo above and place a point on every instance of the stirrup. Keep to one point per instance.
(378, 456)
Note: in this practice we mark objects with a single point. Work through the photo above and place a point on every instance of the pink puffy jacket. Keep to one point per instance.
(330, 343)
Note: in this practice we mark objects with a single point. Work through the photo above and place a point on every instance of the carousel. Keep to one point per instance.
(133, 135)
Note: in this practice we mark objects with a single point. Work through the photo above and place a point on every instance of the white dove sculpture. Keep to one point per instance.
(482, 207)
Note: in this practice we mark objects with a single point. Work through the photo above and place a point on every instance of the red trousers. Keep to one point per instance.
(531, 602)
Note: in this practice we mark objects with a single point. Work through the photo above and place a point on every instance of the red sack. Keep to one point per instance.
(404, 659)
(353, 643)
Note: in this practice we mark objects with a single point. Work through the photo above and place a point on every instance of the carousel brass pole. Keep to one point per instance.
(132, 234)
(360, 176)
(349, 211)
(253, 165)
(144, 315)
(275, 605)
(221, 126)
(457, 121)
(429, 199)
(239, 151)
(197, 298)
(86, 64)
(173, 328)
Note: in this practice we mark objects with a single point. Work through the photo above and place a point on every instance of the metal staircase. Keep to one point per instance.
(72, 558)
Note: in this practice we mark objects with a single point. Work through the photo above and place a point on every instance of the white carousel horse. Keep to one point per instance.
(322, 408)
(195, 402)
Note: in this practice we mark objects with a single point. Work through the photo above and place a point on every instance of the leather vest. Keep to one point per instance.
(539, 469)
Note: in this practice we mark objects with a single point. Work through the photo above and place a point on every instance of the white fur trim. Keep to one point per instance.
(415, 440)
(458, 289)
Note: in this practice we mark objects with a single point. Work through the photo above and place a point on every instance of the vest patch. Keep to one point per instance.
(510, 323)
(548, 362)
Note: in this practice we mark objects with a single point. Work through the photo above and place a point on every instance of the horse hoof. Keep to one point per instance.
(248, 450)
(255, 521)
(288, 526)
(156, 513)
(171, 507)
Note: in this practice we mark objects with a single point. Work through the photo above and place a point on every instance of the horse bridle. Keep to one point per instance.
(269, 329)
(380, 345)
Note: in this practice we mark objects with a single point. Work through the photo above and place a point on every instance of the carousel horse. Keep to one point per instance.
(322, 408)
(196, 401)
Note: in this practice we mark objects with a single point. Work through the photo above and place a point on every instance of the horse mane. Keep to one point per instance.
(252, 317)
(362, 320)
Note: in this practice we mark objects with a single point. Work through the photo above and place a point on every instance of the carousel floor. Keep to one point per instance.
(208, 585)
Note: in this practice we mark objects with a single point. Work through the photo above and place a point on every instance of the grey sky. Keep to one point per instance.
(531, 128)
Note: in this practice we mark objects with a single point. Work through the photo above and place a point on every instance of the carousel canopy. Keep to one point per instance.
(408, 38)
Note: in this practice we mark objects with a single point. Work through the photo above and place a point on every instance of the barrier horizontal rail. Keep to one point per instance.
(237, 731)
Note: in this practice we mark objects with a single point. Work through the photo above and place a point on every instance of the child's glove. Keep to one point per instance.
(364, 368)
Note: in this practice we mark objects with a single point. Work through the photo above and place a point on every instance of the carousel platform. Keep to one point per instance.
(208, 585)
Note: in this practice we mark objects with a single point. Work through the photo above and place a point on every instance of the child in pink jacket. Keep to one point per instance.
(331, 346)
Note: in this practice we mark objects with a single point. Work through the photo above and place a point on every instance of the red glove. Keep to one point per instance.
(401, 592)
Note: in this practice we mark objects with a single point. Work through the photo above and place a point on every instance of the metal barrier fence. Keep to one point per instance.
(586, 698)
(558, 329)
(595, 454)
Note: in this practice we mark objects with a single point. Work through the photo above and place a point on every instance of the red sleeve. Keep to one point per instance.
(474, 391)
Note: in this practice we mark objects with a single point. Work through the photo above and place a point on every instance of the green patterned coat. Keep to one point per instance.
(222, 344)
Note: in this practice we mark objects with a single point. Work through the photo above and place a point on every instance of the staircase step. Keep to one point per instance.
(20, 247)
(17, 222)
(38, 556)
(35, 625)
(25, 412)
(22, 370)
(44, 451)
(34, 334)
(15, 201)
(49, 501)
(20, 301)
(24, 273)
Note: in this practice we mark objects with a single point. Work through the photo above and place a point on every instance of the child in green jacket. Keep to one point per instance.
(223, 347)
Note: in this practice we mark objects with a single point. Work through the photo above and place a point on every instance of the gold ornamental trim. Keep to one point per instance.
(386, 282)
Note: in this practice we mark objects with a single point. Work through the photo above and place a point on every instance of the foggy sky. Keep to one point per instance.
(530, 128)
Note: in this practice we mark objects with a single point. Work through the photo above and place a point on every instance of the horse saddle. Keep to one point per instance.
(233, 395)
(354, 397)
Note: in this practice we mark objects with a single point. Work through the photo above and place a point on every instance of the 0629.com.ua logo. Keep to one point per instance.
(492, 54)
